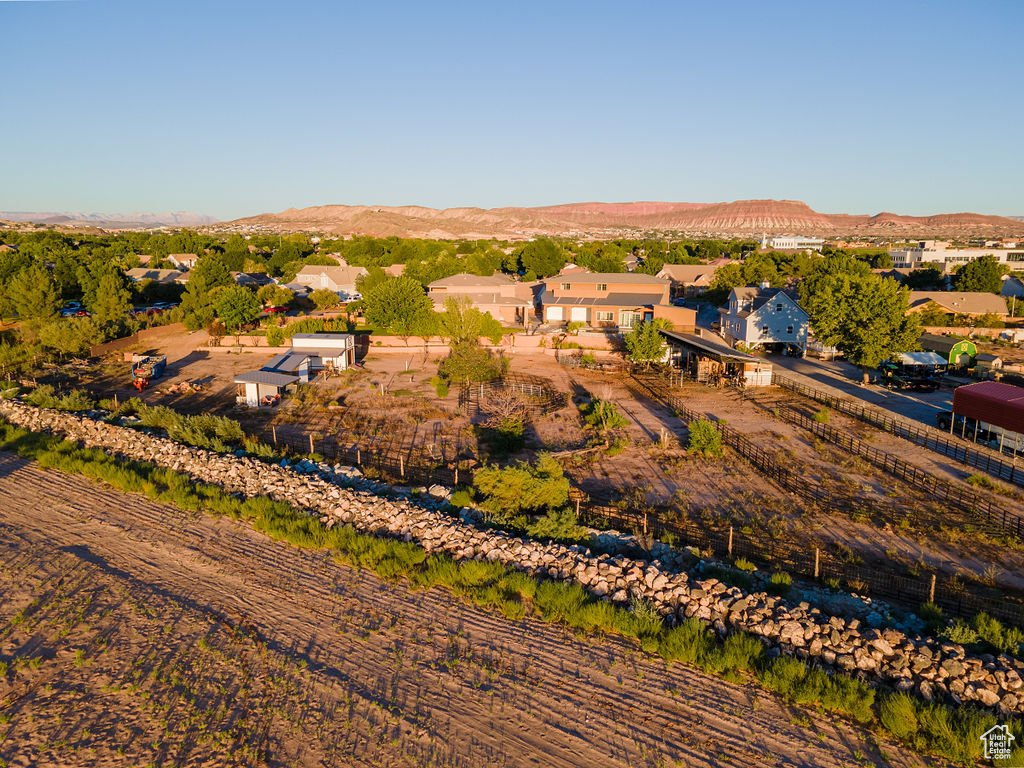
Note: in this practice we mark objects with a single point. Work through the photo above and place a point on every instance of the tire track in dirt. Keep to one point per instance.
(493, 690)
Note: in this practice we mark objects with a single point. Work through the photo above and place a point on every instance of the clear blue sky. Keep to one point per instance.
(233, 108)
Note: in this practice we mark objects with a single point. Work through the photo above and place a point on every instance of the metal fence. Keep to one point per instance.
(958, 496)
(878, 579)
(989, 461)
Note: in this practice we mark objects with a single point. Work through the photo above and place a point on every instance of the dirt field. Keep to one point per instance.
(135, 634)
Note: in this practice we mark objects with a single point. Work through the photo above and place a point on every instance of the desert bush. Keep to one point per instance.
(440, 386)
(522, 488)
(705, 438)
(45, 396)
(744, 565)
(960, 632)
(932, 616)
(898, 713)
(740, 652)
(560, 525)
(822, 416)
(689, 642)
(780, 583)
(275, 336)
(202, 431)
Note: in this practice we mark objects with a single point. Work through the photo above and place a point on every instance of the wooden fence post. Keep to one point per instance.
(931, 590)
(577, 509)
(817, 562)
(273, 431)
(730, 542)
(311, 443)
(401, 464)
(456, 474)
(359, 457)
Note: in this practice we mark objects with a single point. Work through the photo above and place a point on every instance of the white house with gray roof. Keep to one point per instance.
(766, 318)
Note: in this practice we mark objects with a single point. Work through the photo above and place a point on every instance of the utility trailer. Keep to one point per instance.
(145, 368)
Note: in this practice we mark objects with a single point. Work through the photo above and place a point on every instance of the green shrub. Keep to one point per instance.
(275, 336)
(647, 622)
(960, 632)
(822, 416)
(558, 525)
(45, 396)
(741, 563)
(440, 386)
(780, 583)
(932, 616)
(898, 713)
(705, 438)
(523, 488)
(741, 651)
(689, 642)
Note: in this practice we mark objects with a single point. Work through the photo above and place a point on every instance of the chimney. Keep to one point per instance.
(766, 284)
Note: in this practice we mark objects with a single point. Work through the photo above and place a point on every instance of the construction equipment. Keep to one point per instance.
(145, 368)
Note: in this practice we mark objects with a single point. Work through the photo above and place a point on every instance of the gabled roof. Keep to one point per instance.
(466, 279)
(338, 275)
(689, 273)
(617, 278)
(760, 296)
(974, 303)
(157, 275)
(438, 297)
(266, 377)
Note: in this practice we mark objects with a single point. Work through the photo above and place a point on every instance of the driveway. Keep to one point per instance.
(841, 377)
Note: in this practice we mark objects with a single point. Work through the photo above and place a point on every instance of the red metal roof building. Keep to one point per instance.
(992, 402)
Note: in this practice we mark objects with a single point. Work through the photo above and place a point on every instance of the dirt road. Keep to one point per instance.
(136, 634)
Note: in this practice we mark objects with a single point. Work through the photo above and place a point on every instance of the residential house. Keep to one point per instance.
(252, 279)
(506, 299)
(166, 276)
(970, 304)
(1013, 289)
(183, 261)
(310, 354)
(611, 300)
(688, 280)
(340, 279)
(765, 317)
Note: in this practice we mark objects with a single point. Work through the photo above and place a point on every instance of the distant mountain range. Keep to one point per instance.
(740, 218)
(110, 220)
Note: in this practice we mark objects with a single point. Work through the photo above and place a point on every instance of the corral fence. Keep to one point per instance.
(955, 495)
(989, 461)
(879, 580)
(537, 394)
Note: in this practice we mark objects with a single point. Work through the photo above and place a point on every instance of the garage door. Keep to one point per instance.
(578, 313)
(555, 314)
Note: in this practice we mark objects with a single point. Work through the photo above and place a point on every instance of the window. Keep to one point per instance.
(566, 286)
(605, 317)
(764, 330)
(602, 286)
(789, 330)
(778, 307)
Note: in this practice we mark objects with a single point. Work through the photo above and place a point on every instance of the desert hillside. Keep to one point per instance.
(739, 218)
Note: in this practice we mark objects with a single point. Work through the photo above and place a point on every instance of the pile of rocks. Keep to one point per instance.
(341, 495)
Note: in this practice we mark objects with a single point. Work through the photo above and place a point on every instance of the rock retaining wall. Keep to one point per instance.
(929, 667)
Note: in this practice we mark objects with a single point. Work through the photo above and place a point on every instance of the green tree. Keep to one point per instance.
(983, 275)
(461, 322)
(541, 258)
(110, 305)
(468, 362)
(645, 344)
(324, 299)
(34, 299)
(236, 307)
(209, 274)
(70, 337)
(510, 492)
(274, 295)
(397, 306)
(862, 314)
